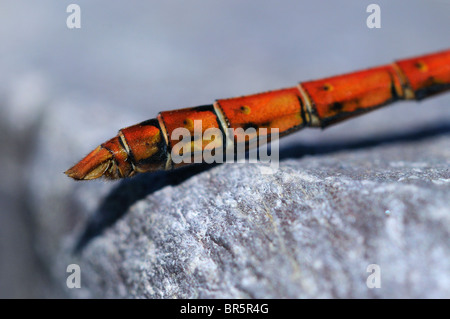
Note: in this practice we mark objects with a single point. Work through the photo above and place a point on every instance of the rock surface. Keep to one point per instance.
(309, 229)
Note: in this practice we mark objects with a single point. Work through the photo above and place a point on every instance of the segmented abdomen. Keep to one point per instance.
(147, 146)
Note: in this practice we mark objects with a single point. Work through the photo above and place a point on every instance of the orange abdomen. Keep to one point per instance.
(149, 146)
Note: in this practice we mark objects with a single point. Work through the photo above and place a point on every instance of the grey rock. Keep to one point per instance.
(309, 229)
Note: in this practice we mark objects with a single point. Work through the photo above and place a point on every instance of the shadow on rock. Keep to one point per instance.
(129, 191)
(297, 150)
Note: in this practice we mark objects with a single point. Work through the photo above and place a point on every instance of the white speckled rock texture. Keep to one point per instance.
(310, 229)
(374, 190)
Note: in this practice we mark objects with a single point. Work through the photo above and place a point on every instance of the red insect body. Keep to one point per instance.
(147, 146)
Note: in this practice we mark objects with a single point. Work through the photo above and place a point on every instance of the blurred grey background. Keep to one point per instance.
(64, 91)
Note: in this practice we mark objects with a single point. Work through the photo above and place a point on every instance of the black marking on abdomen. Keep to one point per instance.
(337, 107)
(302, 111)
(128, 149)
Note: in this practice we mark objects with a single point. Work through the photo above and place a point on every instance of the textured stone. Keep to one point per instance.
(309, 229)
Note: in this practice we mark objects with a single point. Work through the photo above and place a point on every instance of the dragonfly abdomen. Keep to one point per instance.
(150, 145)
